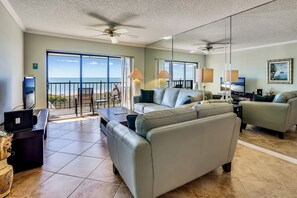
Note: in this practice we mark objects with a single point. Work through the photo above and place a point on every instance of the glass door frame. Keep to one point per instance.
(81, 72)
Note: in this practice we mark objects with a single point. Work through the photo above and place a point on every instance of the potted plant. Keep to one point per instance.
(6, 171)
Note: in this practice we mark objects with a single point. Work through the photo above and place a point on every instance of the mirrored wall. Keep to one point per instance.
(244, 42)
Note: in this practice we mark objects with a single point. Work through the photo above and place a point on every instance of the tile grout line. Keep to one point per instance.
(269, 152)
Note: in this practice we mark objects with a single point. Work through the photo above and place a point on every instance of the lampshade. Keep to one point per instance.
(234, 76)
(164, 74)
(136, 74)
(204, 75)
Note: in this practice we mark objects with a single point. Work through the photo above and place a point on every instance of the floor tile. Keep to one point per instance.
(81, 166)
(71, 136)
(76, 147)
(57, 161)
(57, 133)
(57, 144)
(91, 137)
(47, 153)
(104, 173)
(123, 192)
(97, 150)
(103, 140)
(58, 186)
(25, 182)
(94, 189)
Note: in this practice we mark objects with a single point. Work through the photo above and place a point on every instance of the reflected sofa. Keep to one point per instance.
(279, 115)
(172, 147)
(168, 98)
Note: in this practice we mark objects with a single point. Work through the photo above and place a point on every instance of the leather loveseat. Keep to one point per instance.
(172, 147)
(168, 98)
(279, 115)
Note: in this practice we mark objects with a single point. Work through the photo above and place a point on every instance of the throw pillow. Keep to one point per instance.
(259, 98)
(131, 121)
(186, 100)
(196, 98)
(146, 96)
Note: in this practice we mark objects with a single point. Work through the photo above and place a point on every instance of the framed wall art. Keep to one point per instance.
(280, 71)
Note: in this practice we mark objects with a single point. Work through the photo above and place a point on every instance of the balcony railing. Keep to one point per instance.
(62, 95)
(187, 84)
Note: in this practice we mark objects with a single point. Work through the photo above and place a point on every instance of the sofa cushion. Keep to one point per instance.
(212, 109)
(146, 96)
(146, 122)
(131, 121)
(169, 98)
(284, 96)
(195, 95)
(154, 107)
(139, 107)
(259, 98)
(186, 100)
(158, 95)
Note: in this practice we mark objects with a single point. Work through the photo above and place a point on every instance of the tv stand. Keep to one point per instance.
(27, 145)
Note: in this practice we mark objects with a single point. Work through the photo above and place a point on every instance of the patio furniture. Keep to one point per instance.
(87, 98)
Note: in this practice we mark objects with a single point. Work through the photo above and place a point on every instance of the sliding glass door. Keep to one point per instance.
(78, 84)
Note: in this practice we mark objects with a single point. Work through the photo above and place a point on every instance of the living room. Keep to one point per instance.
(242, 36)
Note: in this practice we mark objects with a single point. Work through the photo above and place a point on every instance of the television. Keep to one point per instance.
(236, 87)
(29, 92)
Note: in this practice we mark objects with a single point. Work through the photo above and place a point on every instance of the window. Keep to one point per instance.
(182, 73)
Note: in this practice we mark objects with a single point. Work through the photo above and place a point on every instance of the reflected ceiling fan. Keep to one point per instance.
(114, 29)
(208, 47)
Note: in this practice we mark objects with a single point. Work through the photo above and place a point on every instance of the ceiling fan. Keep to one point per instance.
(208, 47)
(114, 29)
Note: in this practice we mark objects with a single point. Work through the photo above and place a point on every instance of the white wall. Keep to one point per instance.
(11, 62)
(37, 45)
(252, 65)
(152, 54)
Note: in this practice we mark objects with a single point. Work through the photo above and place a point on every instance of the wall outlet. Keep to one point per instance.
(18, 121)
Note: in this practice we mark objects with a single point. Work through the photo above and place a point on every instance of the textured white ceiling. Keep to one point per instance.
(269, 24)
(158, 18)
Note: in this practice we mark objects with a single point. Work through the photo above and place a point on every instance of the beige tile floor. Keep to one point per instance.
(77, 164)
(268, 139)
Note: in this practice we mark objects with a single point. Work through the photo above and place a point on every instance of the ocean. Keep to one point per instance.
(60, 86)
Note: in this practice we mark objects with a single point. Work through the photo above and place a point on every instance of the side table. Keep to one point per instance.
(238, 110)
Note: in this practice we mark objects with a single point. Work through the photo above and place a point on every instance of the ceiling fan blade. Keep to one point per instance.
(123, 18)
(114, 40)
(218, 48)
(102, 18)
(94, 29)
(121, 31)
(129, 35)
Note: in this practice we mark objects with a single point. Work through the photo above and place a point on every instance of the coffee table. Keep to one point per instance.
(118, 114)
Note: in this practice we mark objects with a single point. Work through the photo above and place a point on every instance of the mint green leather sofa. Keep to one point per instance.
(168, 98)
(279, 115)
(172, 147)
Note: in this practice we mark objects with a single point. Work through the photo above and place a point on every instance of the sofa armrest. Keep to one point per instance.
(136, 99)
(265, 114)
(131, 154)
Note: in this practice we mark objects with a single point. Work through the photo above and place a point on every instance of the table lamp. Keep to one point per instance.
(204, 75)
(162, 75)
(137, 76)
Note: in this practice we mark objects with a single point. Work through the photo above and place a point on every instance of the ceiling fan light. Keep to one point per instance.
(114, 40)
(206, 52)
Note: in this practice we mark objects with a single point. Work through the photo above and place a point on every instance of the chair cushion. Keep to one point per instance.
(212, 109)
(146, 96)
(284, 96)
(131, 121)
(158, 95)
(259, 98)
(170, 96)
(146, 122)
(154, 107)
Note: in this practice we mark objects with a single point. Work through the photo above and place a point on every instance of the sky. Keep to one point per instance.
(69, 67)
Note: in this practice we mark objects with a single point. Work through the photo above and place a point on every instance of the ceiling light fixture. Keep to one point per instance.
(167, 37)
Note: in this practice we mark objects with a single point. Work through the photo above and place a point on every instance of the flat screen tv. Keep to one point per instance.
(29, 92)
(238, 87)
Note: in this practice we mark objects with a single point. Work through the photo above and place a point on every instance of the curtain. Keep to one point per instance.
(159, 66)
(127, 92)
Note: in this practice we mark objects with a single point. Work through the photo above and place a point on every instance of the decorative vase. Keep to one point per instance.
(6, 177)
(6, 171)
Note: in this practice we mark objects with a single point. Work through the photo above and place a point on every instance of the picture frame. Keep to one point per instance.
(280, 71)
